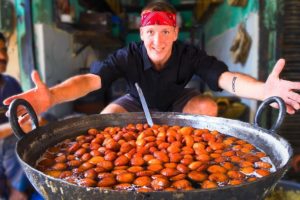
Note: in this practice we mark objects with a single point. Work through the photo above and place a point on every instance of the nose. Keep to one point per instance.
(158, 39)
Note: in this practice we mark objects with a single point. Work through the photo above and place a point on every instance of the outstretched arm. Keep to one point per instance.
(245, 86)
(42, 98)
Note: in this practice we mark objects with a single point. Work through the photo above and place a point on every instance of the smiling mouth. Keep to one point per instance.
(158, 50)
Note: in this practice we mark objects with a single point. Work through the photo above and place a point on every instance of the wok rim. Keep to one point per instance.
(41, 131)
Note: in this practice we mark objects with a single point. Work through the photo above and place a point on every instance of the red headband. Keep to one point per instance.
(158, 18)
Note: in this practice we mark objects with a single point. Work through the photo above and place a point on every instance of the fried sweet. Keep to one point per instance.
(142, 158)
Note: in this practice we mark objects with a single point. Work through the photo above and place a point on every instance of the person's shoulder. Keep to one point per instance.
(135, 46)
(11, 85)
(186, 48)
(132, 47)
(9, 78)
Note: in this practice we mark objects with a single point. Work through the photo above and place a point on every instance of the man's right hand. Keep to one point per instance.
(39, 97)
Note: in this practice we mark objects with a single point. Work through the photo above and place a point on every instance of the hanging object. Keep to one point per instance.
(6, 16)
(241, 45)
(237, 2)
(203, 6)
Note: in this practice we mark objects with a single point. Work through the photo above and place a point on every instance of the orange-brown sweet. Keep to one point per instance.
(142, 158)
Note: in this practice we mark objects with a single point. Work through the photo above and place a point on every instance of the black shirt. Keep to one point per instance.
(161, 88)
(9, 87)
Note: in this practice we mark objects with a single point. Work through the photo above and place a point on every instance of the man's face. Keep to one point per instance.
(3, 56)
(158, 40)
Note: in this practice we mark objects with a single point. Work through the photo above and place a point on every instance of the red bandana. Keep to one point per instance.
(158, 18)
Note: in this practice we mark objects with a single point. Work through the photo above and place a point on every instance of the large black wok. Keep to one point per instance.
(32, 145)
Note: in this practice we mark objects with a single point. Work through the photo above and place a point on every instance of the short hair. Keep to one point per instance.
(2, 37)
(160, 6)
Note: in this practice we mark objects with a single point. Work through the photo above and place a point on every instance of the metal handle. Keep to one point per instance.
(144, 105)
(13, 119)
(281, 114)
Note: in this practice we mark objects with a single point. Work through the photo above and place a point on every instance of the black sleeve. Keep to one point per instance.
(208, 68)
(111, 68)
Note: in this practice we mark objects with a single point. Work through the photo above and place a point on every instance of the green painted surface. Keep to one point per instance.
(132, 37)
(270, 15)
(6, 16)
(21, 31)
(77, 8)
(42, 11)
(225, 17)
(271, 11)
(184, 36)
(187, 18)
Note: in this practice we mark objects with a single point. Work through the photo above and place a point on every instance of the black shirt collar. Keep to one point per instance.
(147, 61)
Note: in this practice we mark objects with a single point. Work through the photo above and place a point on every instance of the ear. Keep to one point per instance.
(141, 33)
(176, 33)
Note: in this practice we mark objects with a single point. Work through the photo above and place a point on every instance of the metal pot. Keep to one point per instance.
(32, 145)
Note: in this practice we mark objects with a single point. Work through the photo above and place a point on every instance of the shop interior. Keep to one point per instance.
(61, 38)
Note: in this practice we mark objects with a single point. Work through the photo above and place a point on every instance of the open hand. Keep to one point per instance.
(275, 86)
(39, 97)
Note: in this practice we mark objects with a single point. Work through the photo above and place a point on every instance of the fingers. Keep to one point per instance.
(37, 81)
(294, 96)
(289, 109)
(21, 111)
(24, 118)
(8, 100)
(36, 78)
(274, 105)
(294, 100)
(278, 68)
(292, 103)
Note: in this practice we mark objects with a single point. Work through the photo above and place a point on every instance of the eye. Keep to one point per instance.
(166, 32)
(150, 32)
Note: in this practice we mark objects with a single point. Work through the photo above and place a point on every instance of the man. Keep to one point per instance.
(162, 66)
(12, 178)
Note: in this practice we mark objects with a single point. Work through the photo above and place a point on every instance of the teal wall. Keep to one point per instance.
(42, 11)
(221, 28)
(21, 32)
(77, 8)
(271, 12)
(225, 17)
